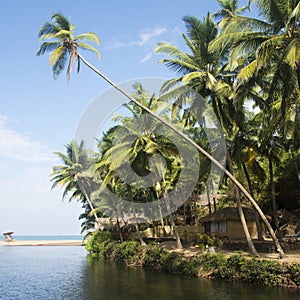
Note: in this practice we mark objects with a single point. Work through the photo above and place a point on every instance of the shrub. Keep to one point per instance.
(295, 272)
(212, 261)
(129, 253)
(172, 262)
(94, 244)
(191, 267)
(263, 272)
(155, 257)
(232, 268)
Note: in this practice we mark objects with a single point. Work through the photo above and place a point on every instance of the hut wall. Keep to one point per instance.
(235, 229)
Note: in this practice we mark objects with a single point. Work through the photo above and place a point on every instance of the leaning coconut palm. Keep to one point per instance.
(74, 54)
(63, 45)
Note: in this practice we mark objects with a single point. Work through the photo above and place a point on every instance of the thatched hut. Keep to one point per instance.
(226, 223)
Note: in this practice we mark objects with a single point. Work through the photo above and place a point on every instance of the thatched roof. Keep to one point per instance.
(229, 213)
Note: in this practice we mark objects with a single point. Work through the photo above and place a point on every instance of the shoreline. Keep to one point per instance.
(16, 243)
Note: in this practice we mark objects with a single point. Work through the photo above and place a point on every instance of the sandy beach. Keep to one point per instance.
(42, 243)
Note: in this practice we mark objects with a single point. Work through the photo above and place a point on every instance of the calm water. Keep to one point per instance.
(66, 273)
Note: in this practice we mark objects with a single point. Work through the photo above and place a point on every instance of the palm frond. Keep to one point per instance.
(178, 65)
(59, 63)
(267, 49)
(193, 75)
(247, 72)
(57, 54)
(274, 11)
(47, 29)
(89, 36)
(59, 19)
(294, 16)
(292, 53)
(90, 48)
(47, 47)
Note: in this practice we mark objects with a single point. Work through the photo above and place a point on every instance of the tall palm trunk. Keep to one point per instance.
(119, 230)
(178, 242)
(82, 188)
(210, 157)
(134, 215)
(161, 216)
(273, 191)
(257, 219)
(241, 213)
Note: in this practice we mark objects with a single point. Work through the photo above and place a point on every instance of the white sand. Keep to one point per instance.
(42, 243)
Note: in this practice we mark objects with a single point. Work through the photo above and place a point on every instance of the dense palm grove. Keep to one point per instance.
(247, 71)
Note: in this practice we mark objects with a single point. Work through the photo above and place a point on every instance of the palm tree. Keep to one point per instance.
(72, 174)
(74, 54)
(207, 80)
(63, 45)
(273, 67)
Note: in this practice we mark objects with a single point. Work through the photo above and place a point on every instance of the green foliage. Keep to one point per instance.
(129, 253)
(205, 239)
(191, 267)
(100, 245)
(172, 262)
(259, 271)
(155, 257)
(211, 261)
(295, 272)
(234, 267)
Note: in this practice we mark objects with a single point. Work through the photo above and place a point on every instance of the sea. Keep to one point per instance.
(68, 272)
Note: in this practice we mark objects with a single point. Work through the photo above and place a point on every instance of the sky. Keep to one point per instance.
(39, 115)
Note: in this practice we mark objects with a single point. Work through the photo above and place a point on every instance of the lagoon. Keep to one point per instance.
(66, 272)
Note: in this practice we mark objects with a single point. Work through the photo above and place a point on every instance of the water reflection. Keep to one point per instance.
(67, 273)
(107, 281)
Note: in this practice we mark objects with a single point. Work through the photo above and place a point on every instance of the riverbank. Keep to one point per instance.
(267, 270)
(293, 256)
(42, 243)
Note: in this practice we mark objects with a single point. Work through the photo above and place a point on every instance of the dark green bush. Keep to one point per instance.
(94, 245)
(129, 253)
(211, 261)
(264, 272)
(232, 268)
(155, 257)
(172, 262)
(191, 267)
(295, 272)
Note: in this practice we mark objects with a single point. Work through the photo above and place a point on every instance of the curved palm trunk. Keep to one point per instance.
(241, 213)
(88, 201)
(257, 220)
(210, 157)
(273, 192)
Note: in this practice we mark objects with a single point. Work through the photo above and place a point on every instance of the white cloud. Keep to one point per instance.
(147, 37)
(15, 145)
(146, 57)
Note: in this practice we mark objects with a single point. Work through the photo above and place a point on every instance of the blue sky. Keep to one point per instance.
(39, 115)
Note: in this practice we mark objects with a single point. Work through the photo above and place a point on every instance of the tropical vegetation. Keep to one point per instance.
(247, 71)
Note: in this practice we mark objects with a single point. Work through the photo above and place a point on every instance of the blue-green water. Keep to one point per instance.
(67, 273)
